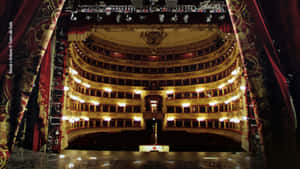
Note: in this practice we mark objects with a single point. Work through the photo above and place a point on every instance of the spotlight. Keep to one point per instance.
(108, 11)
(174, 18)
(221, 17)
(128, 18)
(186, 18)
(88, 17)
(118, 18)
(161, 18)
(73, 17)
(142, 17)
(99, 18)
(208, 18)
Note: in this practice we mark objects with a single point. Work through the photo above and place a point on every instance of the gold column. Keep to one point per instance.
(124, 123)
(101, 123)
(94, 123)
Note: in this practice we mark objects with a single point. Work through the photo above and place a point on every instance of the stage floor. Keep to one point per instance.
(79, 159)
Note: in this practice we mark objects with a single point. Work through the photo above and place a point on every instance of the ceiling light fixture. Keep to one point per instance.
(161, 18)
(118, 18)
(174, 18)
(128, 18)
(73, 17)
(186, 18)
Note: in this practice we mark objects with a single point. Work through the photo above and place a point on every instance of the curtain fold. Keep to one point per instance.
(33, 27)
(20, 22)
(43, 101)
(273, 57)
(263, 68)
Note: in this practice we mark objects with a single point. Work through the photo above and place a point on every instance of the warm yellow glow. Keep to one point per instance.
(71, 165)
(137, 118)
(138, 92)
(107, 118)
(232, 99)
(170, 118)
(212, 103)
(170, 91)
(107, 89)
(231, 80)
(66, 88)
(153, 101)
(223, 119)
(86, 85)
(157, 148)
(235, 72)
(186, 104)
(243, 87)
(235, 120)
(93, 158)
(85, 118)
(199, 90)
(122, 104)
(95, 103)
(65, 118)
(200, 119)
(74, 97)
(76, 80)
(221, 86)
(71, 121)
(74, 72)
(76, 119)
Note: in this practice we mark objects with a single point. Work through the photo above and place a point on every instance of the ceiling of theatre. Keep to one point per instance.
(150, 36)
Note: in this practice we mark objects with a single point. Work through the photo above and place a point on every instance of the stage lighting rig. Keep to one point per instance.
(186, 18)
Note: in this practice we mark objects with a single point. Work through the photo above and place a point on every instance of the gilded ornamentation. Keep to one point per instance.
(4, 154)
(35, 42)
(244, 31)
(5, 95)
(154, 38)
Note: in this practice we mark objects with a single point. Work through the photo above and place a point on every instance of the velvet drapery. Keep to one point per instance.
(37, 42)
(266, 76)
(33, 26)
(20, 18)
(20, 22)
(40, 131)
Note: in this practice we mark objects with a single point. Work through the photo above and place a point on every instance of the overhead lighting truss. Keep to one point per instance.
(138, 7)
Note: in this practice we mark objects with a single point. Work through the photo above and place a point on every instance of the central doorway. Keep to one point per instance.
(153, 104)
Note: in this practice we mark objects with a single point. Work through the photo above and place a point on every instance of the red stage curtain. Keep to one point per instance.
(20, 23)
(226, 27)
(283, 20)
(40, 128)
(270, 50)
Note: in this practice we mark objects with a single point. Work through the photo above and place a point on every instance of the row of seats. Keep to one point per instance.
(146, 83)
(94, 47)
(131, 69)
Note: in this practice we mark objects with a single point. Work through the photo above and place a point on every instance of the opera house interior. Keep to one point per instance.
(210, 84)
